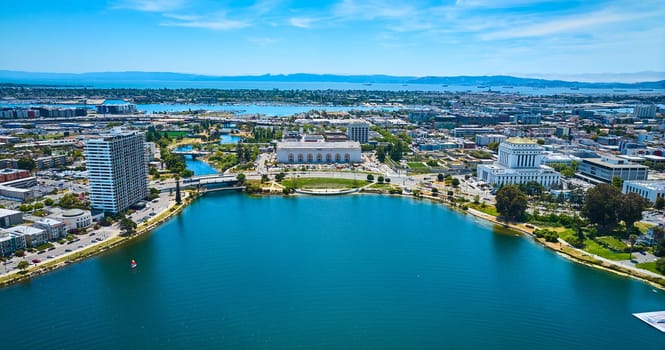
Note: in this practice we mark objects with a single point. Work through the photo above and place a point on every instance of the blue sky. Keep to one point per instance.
(342, 36)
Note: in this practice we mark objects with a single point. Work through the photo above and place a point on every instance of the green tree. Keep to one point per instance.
(48, 201)
(26, 164)
(178, 199)
(264, 178)
(370, 178)
(22, 265)
(241, 178)
(435, 191)
(511, 202)
(439, 177)
(279, 177)
(660, 203)
(127, 225)
(617, 182)
(660, 265)
(631, 239)
(380, 179)
(493, 146)
(381, 154)
(630, 208)
(455, 182)
(600, 207)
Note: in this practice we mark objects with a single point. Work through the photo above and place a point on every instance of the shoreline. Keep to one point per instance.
(566, 251)
(561, 249)
(104, 246)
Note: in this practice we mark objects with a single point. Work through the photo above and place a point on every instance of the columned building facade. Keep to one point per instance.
(117, 170)
(519, 162)
(318, 152)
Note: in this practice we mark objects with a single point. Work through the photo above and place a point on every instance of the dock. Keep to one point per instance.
(654, 319)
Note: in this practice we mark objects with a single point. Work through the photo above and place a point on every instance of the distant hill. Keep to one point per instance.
(18, 77)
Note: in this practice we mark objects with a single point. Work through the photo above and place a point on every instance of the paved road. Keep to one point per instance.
(92, 237)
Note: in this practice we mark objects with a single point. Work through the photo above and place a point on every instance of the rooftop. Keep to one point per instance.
(657, 185)
(522, 140)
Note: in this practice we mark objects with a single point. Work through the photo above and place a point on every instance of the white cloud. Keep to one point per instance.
(561, 25)
(150, 5)
(215, 22)
(302, 22)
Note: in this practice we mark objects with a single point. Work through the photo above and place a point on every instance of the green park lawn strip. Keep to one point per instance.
(382, 186)
(487, 209)
(319, 183)
(649, 266)
(612, 243)
(593, 247)
(417, 166)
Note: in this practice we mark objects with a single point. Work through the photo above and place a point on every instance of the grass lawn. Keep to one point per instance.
(612, 242)
(382, 186)
(323, 182)
(594, 248)
(649, 266)
(488, 209)
(417, 166)
(565, 233)
(643, 226)
(174, 134)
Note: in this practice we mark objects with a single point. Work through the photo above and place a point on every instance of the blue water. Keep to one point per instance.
(229, 139)
(199, 167)
(354, 272)
(240, 109)
(160, 84)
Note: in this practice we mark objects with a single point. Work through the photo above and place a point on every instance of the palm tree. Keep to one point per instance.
(632, 239)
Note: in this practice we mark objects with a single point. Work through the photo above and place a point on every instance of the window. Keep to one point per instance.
(290, 157)
(347, 157)
(328, 158)
(319, 158)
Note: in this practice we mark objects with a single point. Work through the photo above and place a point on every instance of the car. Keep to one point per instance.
(92, 234)
(152, 214)
(68, 250)
(36, 261)
(80, 246)
(52, 248)
(49, 257)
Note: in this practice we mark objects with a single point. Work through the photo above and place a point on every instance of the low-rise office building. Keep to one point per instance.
(603, 170)
(650, 190)
(34, 236)
(72, 218)
(11, 242)
(54, 229)
(10, 218)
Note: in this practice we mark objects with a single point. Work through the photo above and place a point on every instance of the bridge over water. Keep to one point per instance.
(202, 183)
(194, 153)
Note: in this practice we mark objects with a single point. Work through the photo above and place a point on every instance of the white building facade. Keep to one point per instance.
(519, 162)
(650, 190)
(318, 152)
(117, 170)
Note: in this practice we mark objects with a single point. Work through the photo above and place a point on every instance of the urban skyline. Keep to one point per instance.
(463, 37)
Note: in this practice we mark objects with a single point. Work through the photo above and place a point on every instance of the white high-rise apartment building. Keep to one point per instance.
(358, 131)
(117, 170)
(519, 162)
(645, 111)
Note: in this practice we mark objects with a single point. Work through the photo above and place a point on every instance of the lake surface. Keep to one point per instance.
(354, 272)
(199, 167)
